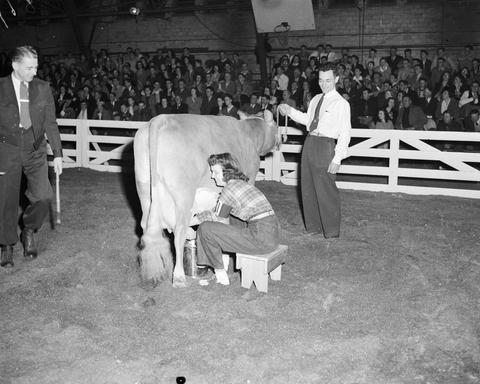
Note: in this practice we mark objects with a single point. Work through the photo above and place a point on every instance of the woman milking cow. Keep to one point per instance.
(256, 233)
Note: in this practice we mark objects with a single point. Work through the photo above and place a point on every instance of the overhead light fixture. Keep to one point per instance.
(11, 8)
(134, 11)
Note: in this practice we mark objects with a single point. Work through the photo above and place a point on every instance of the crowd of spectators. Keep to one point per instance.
(135, 86)
(398, 91)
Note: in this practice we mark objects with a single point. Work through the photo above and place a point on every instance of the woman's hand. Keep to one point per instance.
(194, 221)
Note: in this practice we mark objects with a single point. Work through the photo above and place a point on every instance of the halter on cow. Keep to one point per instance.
(171, 164)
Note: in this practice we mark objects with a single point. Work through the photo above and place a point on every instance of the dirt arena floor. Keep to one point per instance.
(395, 300)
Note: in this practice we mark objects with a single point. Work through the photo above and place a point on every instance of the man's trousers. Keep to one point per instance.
(15, 160)
(320, 196)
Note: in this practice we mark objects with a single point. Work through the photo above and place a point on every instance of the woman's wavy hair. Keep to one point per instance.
(230, 166)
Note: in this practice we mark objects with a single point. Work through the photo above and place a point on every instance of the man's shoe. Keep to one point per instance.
(29, 246)
(6, 257)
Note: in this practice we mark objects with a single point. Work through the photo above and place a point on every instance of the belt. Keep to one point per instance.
(315, 133)
(262, 215)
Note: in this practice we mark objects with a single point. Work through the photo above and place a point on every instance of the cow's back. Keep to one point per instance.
(186, 141)
(179, 148)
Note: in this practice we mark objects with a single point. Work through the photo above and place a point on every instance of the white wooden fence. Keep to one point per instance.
(403, 161)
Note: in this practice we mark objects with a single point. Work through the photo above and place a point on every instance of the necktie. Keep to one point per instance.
(25, 121)
(314, 123)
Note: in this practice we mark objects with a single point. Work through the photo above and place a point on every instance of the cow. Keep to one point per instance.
(171, 168)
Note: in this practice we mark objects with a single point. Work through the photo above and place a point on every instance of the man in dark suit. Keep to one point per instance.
(472, 122)
(27, 113)
(253, 107)
(426, 63)
(180, 106)
(102, 113)
(428, 103)
(410, 116)
(209, 102)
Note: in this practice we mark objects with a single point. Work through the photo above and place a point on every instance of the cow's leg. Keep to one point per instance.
(156, 255)
(142, 173)
(179, 279)
(183, 213)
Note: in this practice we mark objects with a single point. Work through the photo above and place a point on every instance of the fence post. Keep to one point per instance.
(394, 160)
(267, 162)
(276, 168)
(82, 134)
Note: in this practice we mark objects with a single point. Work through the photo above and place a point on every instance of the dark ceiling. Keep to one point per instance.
(44, 11)
(32, 11)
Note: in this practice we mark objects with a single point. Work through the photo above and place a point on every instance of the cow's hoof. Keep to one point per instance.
(179, 282)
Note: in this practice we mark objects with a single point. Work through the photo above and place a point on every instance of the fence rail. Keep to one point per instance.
(415, 162)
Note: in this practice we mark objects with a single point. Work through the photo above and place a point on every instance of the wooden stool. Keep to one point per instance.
(255, 268)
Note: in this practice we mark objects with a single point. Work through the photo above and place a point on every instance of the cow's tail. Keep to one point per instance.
(156, 258)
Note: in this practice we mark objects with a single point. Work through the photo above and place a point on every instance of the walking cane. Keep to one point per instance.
(57, 196)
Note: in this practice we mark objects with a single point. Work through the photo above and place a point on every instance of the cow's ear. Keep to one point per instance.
(267, 115)
(243, 116)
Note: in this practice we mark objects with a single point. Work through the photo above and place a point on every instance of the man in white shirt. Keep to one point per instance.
(328, 122)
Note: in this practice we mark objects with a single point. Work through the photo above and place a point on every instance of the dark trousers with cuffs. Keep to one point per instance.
(320, 196)
(15, 160)
(257, 237)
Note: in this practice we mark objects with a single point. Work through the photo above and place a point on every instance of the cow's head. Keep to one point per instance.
(272, 137)
(273, 129)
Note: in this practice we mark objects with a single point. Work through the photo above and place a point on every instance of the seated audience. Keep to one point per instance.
(367, 109)
(179, 106)
(208, 102)
(102, 113)
(447, 104)
(253, 106)
(227, 85)
(194, 102)
(164, 107)
(410, 116)
(382, 121)
(218, 110)
(448, 123)
(142, 113)
(229, 109)
(472, 122)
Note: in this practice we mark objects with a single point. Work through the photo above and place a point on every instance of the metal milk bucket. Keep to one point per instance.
(190, 258)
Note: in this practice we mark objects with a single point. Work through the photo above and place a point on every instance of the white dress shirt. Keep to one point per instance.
(16, 86)
(444, 105)
(83, 114)
(333, 122)
(282, 81)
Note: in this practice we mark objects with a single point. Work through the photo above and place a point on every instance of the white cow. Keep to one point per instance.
(171, 155)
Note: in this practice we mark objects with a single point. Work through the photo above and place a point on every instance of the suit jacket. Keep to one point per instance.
(416, 118)
(452, 108)
(182, 108)
(208, 107)
(248, 109)
(470, 126)
(106, 114)
(232, 113)
(427, 67)
(429, 107)
(142, 114)
(42, 114)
